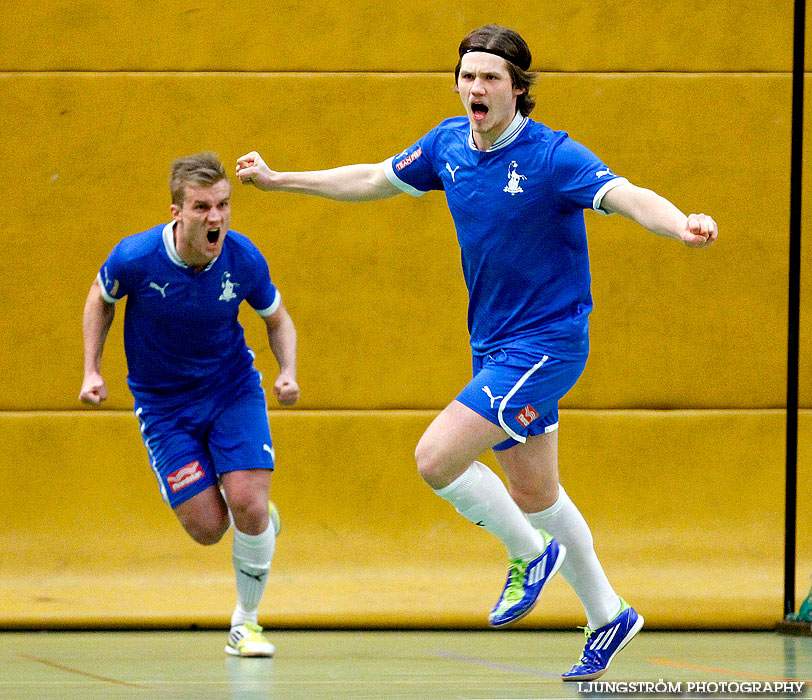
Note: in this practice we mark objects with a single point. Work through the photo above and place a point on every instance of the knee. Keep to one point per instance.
(207, 531)
(437, 467)
(250, 514)
(429, 464)
(533, 498)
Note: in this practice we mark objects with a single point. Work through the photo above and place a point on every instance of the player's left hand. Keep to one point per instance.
(252, 170)
(286, 390)
(700, 231)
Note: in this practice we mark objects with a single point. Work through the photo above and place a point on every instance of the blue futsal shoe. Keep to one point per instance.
(603, 644)
(525, 581)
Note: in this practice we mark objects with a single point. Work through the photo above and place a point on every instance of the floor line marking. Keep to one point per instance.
(497, 665)
(94, 676)
(691, 667)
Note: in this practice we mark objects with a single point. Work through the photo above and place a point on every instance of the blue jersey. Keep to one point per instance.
(518, 211)
(181, 332)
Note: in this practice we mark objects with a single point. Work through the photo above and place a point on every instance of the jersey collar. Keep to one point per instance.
(172, 252)
(507, 137)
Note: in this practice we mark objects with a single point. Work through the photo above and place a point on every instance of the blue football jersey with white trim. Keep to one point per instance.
(518, 211)
(181, 331)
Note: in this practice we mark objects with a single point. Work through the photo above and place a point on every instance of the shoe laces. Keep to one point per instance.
(254, 629)
(587, 652)
(514, 591)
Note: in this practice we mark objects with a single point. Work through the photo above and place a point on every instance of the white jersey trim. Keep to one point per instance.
(507, 137)
(389, 171)
(277, 300)
(518, 385)
(601, 193)
(172, 252)
(105, 295)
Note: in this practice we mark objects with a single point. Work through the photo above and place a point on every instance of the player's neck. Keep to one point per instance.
(484, 140)
(187, 256)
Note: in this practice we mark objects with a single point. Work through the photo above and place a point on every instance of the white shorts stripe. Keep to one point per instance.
(509, 396)
(152, 463)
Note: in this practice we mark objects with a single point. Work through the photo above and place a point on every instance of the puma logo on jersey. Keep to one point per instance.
(601, 173)
(493, 398)
(162, 290)
(448, 167)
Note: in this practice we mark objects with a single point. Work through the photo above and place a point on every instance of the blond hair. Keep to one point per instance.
(204, 169)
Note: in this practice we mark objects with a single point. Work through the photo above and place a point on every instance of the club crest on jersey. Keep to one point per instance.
(228, 287)
(411, 158)
(514, 179)
(527, 415)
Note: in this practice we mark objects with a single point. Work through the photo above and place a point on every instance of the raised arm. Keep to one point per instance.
(282, 339)
(96, 322)
(660, 216)
(349, 183)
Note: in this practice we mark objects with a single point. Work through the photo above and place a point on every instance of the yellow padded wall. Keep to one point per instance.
(375, 288)
(578, 35)
(686, 509)
(691, 99)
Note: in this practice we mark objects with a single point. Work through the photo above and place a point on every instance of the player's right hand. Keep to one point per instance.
(252, 170)
(286, 390)
(94, 390)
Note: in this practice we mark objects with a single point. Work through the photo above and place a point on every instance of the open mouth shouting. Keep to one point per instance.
(213, 235)
(479, 111)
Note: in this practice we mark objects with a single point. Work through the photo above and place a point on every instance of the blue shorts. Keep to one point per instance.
(189, 446)
(519, 391)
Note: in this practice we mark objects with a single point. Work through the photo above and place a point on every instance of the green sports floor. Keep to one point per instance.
(390, 665)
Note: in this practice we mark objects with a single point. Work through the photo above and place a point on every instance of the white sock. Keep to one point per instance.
(581, 568)
(251, 555)
(481, 497)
